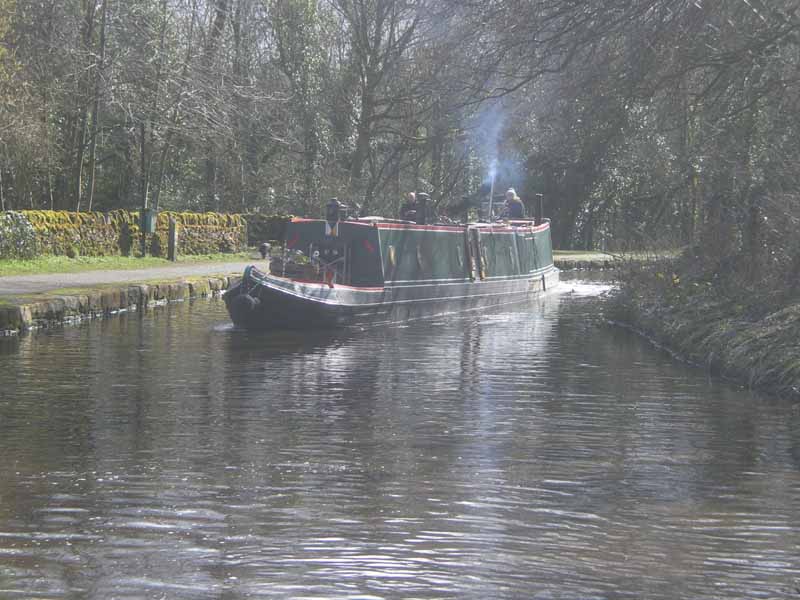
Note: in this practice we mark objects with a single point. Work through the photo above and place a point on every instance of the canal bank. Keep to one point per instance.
(579, 260)
(592, 260)
(35, 301)
(746, 335)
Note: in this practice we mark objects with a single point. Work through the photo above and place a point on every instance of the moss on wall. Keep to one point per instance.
(117, 232)
(202, 233)
(72, 234)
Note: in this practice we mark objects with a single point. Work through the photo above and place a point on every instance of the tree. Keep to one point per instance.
(6, 72)
(299, 34)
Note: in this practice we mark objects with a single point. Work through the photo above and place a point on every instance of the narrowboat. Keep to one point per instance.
(341, 271)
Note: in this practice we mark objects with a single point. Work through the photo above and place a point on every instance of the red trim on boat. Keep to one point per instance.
(305, 220)
(506, 228)
(410, 227)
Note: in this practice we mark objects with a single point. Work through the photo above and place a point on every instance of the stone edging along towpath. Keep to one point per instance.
(58, 307)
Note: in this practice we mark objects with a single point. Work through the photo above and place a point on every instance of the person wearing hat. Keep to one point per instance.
(514, 209)
(408, 211)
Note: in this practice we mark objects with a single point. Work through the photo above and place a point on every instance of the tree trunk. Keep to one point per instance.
(165, 147)
(311, 158)
(437, 153)
(144, 183)
(221, 12)
(78, 168)
(96, 107)
(363, 139)
(80, 148)
(358, 159)
(154, 113)
(753, 233)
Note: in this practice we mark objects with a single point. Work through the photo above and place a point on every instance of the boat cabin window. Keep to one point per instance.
(351, 256)
(324, 262)
(329, 261)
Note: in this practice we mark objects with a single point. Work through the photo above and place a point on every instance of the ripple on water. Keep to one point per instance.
(524, 452)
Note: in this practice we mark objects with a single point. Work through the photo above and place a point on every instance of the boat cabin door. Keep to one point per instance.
(476, 268)
(330, 259)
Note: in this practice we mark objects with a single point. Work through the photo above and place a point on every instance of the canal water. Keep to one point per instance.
(533, 452)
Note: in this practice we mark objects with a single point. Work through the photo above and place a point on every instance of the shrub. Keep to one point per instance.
(17, 236)
(265, 228)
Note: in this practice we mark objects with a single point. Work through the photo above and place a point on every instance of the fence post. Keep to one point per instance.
(172, 240)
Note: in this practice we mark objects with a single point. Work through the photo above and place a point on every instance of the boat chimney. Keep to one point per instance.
(333, 211)
(422, 208)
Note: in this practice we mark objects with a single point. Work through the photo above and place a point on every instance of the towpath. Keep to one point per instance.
(20, 285)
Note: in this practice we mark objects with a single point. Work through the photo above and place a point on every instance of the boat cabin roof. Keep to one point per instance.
(383, 223)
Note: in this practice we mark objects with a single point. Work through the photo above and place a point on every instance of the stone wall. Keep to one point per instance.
(30, 233)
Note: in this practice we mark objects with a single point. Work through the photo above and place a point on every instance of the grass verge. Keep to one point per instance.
(581, 255)
(596, 255)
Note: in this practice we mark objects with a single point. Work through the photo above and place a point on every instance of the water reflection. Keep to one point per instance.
(532, 452)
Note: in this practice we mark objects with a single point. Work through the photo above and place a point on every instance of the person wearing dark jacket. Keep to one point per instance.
(408, 211)
(514, 209)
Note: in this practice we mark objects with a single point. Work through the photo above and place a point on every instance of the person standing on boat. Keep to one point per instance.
(514, 209)
(408, 212)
